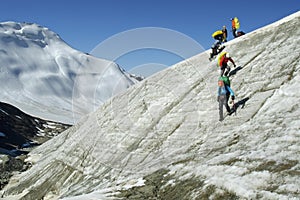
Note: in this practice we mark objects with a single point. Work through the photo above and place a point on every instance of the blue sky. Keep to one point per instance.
(83, 24)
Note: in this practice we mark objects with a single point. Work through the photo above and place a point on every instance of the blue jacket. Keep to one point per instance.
(224, 90)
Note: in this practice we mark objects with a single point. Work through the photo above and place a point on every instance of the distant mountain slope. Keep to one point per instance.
(19, 130)
(45, 77)
(161, 139)
(19, 133)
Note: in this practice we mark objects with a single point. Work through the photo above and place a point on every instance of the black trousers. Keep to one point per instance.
(223, 67)
(234, 33)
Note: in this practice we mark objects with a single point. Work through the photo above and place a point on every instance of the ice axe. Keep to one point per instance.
(234, 107)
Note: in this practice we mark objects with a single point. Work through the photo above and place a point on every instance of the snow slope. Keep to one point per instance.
(45, 77)
(161, 139)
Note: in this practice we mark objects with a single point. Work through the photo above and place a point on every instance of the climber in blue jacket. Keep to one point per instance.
(224, 92)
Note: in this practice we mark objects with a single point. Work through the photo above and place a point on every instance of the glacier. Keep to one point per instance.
(161, 138)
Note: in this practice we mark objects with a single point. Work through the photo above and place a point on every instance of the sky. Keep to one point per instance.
(86, 24)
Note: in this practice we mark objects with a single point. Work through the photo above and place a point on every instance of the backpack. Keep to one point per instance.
(236, 23)
(226, 80)
(221, 58)
(240, 33)
(219, 32)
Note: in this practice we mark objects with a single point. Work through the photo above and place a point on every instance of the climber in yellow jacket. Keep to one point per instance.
(220, 37)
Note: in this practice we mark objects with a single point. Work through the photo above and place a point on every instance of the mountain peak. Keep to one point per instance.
(22, 32)
(46, 78)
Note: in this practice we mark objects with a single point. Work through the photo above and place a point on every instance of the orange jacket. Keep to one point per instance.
(233, 24)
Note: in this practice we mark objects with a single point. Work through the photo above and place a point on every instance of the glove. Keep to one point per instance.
(232, 98)
(218, 98)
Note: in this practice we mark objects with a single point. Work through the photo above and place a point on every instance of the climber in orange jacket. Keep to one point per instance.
(222, 62)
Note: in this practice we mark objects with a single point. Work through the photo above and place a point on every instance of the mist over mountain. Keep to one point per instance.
(161, 138)
(45, 77)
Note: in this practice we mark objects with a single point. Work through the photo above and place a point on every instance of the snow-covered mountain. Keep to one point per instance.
(161, 139)
(43, 76)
